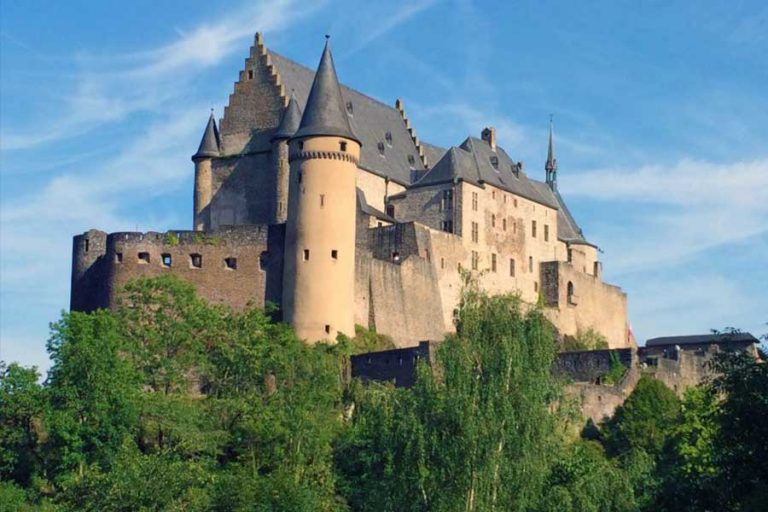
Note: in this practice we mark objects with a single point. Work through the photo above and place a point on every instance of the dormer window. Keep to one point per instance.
(495, 162)
(411, 159)
(380, 145)
(388, 138)
(350, 109)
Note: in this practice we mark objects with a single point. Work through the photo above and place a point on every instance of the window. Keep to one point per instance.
(306, 254)
(388, 138)
(546, 232)
(515, 203)
(505, 198)
(504, 223)
(474, 201)
(391, 210)
(322, 200)
(327, 329)
(299, 176)
(263, 260)
(596, 269)
(446, 203)
(230, 263)
(426, 254)
(380, 145)
(447, 226)
(475, 260)
(442, 262)
(144, 257)
(533, 228)
(396, 257)
(571, 296)
(411, 159)
(530, 264)
(118, 257)
(250, 74)
(342, 146)
(570, 255)
(166, 259)
(512, 267)
(334, 254)
(195, 260)
(493, 262)
(475, 233)
(536, 286)
(87, 244)
(493, 194)
(494, 161)
(301, 145)
(350, 109)
(493, 220)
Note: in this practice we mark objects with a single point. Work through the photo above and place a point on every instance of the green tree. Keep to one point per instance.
(21, 407)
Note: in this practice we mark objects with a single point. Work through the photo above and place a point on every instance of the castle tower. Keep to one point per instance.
(210, 147)
(551, 165)
(319, 270)
(289, 124)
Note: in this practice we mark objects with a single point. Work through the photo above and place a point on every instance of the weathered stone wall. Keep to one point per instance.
(593, 303)
(397, 366)
(591, 366)
(257, 253)
(244, 191)
(425, 205)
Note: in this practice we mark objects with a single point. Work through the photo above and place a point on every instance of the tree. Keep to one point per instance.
(21, 407)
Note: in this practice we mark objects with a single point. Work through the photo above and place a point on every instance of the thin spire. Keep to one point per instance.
(551, 165)
(325, 113)
(290, 121)
(210, 144)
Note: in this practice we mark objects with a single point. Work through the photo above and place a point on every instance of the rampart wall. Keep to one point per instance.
(234, 266)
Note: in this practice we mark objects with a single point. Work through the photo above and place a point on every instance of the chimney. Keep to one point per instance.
(489, 136)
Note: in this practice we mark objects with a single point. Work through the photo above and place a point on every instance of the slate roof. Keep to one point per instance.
(290, 121)
(324, 112)
(567, 229)
(742, 337)
(367, 209)
(210, 144)
(370, 121)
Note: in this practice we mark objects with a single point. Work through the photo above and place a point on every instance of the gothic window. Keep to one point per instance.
(230, 263)
(143, 257)
(195, 260)
(571, 296)
(166, 260)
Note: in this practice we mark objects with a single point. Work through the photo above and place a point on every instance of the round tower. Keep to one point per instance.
(289, 124)
(319, 272)
(210, 147)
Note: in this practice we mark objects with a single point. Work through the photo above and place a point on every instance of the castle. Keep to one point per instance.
(319, 199)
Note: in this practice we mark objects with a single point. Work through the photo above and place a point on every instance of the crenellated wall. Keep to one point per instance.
(233, 266)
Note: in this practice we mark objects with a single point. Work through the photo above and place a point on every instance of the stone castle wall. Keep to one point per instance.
(233, 266)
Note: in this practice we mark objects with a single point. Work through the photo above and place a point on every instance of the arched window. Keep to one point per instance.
(571, 296)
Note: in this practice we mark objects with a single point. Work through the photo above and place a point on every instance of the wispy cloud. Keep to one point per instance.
(680, 210)
(110, 88)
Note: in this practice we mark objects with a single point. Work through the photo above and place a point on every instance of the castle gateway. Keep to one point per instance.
(324, 201)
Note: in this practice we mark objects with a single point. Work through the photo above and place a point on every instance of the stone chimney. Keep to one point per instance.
(489, 136)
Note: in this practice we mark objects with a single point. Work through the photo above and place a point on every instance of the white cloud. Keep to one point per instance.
(679, 210)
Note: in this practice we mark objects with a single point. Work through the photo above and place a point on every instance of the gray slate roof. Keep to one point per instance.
(290, 121)
(210, 144)
(567, 229)
(367, 209)
(324, 112)
(742, 337)
(370, 121)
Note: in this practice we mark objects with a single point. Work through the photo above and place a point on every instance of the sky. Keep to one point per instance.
(660, 112)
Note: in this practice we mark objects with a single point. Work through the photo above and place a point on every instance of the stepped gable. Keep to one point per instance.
(567, 228)
(369, 119)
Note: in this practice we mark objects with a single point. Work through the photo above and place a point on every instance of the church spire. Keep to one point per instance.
(210, 145)
(551, 165)
(324, 113)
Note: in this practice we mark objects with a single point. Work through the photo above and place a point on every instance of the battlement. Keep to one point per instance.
(234, 265)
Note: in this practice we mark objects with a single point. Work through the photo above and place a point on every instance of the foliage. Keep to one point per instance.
(172, 239)
(21, 405)
(589, 339)
(367, 340)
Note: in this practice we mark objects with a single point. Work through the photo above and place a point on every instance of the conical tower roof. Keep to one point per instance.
(290, 122)
(209, 145)
(324, 113)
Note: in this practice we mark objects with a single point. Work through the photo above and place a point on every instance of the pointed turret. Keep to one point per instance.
(210, 145)
(325, 113)
(290, 121)
(551, 165)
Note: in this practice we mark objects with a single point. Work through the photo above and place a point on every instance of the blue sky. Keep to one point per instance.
(661, 119)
